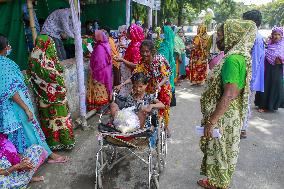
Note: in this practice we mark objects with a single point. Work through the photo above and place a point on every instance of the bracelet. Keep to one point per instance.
(210, 123)
(6, 170)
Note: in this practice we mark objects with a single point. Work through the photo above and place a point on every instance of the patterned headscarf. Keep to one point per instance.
(46, 71)
(275, 50)
(277, 29)
(136, 33)
(132, 53)
(239, 39)
(202, 31)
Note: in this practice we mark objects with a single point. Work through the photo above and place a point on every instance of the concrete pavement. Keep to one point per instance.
(260, 166)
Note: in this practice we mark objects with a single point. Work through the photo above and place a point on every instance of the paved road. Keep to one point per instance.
(260, 166)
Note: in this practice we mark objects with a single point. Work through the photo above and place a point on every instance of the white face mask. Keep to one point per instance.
(154, 35)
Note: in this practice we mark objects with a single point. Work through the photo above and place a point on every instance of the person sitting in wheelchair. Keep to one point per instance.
(145, 104)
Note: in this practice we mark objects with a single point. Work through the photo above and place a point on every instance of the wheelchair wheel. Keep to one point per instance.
(162, 148)
(100, 161)
(153, 175)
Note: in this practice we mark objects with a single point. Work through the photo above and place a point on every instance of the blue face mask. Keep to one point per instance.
(162, 36)
(8, 52)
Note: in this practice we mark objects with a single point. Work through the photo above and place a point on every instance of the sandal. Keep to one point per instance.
(205, 184)
(243, 135)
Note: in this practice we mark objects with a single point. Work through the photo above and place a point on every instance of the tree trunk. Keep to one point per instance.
(180, 8)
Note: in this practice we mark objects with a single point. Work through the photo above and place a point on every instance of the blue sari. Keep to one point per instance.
(13, 119)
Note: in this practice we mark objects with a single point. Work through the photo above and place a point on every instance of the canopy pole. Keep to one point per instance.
(32, 19)
(150, 17)
(128, 12)
(75, 10)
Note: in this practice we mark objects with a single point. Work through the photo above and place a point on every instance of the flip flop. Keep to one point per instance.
(243, 135)
(58, 160)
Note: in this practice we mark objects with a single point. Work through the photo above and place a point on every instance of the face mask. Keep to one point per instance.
(8, 52)
(154, 35)
(162, 36)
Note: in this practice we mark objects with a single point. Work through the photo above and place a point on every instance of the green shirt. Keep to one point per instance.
(234, 70)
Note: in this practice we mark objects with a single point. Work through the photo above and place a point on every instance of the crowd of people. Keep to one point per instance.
(154, 61)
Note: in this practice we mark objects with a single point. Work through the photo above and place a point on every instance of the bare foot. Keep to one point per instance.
(260, 110)
(55, 158)
(37, 179)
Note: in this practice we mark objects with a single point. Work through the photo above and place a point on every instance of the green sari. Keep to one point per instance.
(48, 84)
(221, 155)
(167, 50)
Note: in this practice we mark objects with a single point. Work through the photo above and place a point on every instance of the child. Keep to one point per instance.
(144, 103)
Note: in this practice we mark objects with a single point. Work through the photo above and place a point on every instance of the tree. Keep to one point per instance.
(139, 12)
(228, 9)
(273, 13)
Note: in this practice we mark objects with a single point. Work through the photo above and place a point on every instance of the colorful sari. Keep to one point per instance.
(116, 65)
(13, 119)
(221, 155)
(156, 71)
(10, 157)
(100, 77)
(132, 54)
(198, 56)
(48, 84)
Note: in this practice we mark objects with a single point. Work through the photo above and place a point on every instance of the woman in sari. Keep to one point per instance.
(167, 50)
(224, 103)
(116, 64)
(48, 84)
(17, 170)
(198, 56)
(131, 57)
(17, 118)
(273, 96)
(157, 69)
(100, 77)
(179, 54)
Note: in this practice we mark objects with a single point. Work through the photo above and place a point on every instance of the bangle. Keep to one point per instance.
(6, 170)
(210, 123)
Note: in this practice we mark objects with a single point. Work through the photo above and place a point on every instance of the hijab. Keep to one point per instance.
(179, 43)
(101, 61)
(136, 35)
(275, 50)
(167, 50)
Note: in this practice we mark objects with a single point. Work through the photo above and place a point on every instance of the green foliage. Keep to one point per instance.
(139, 12)
(273, 13)
(190, 13)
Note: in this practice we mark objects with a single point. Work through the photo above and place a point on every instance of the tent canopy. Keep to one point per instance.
(111, 14)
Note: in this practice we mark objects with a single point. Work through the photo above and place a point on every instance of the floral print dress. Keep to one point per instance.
(157, 70)
(48, 84)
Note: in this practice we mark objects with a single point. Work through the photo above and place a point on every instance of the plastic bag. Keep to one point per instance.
(126, 120)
